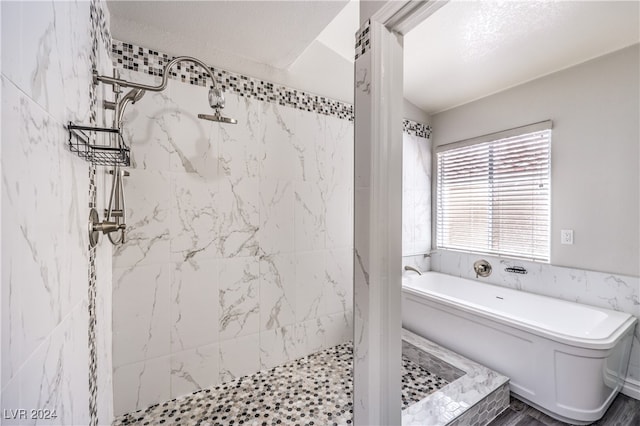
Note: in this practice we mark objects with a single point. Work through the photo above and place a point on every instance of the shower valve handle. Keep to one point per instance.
(108, 227)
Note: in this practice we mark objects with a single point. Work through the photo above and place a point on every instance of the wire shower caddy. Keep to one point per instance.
(116, 154)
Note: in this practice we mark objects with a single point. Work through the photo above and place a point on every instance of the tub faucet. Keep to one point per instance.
(411, 268)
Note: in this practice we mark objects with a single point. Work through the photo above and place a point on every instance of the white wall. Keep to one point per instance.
(595, 154)
(412, 112)
(46, 82)
(369, 7)
(239, 252)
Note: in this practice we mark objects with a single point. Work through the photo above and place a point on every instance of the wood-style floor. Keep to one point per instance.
(624, 411)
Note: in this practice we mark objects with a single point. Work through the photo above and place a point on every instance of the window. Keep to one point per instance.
(493, 194)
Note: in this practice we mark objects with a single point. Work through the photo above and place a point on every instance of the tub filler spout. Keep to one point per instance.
(411, 268)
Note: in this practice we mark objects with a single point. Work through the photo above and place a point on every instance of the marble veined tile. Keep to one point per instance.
(46, 55)
(338, 291)
(239, 209)
(308, 141)
(279, 345)
(194, 369)
(339, 151)
(276, 233)
(147, 199)
(141, 384)
(38, 245)
(279, 158)
(239, 288)
(196, 217)
(57, 371)
(310, 285)
(146, 130)
(339, 216)
(141, 313)
(194, 304)
(240, 143)
(239, 357)
(309, 217)
(277, 291)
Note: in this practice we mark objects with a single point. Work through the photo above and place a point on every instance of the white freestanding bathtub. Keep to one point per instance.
(567, 359)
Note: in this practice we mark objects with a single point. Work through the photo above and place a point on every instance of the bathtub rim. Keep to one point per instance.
(625, 327)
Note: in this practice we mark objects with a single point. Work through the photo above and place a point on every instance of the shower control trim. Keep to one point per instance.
(482, 268)
(95, 227)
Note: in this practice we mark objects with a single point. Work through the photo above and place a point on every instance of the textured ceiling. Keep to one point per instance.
(465, 51)
(275, 33)
(469, 50)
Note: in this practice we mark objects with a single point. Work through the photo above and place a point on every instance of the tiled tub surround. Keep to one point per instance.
(474, 396)
(610, 291)
(239, 251)
(318, 390)
(46, 81)
(416, 194)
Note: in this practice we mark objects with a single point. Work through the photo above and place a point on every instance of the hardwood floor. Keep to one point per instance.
(624, 411)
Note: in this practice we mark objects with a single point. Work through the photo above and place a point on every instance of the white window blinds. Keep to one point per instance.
(493, 194)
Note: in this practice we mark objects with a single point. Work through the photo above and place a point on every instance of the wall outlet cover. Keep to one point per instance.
(566, 236)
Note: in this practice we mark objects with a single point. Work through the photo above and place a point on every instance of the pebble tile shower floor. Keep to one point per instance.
(314, 390)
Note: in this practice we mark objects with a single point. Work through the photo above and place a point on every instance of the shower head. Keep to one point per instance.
(217, 117)
(216, 101)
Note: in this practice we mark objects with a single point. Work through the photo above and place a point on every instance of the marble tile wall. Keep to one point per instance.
(46, 79)
(239, 250)
(611, 291)
(416, 194)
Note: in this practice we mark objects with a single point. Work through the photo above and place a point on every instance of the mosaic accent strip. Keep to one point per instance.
(314, 390)
(151, 62)
(363, 39)
(131, 57)
(99, 32)
(416, 129)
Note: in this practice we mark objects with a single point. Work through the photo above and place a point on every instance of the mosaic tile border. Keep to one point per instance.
(99, 32)
(151, 62)
(363, 39)
(416, 129)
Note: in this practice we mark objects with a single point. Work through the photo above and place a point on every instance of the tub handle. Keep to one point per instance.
(482, 268)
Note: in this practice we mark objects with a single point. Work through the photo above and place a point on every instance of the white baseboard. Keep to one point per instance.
(631, 388)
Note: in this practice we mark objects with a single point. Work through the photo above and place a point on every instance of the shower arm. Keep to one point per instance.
(165, 76)
(216, 100)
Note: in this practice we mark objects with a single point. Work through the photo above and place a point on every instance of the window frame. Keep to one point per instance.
(491, 137)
